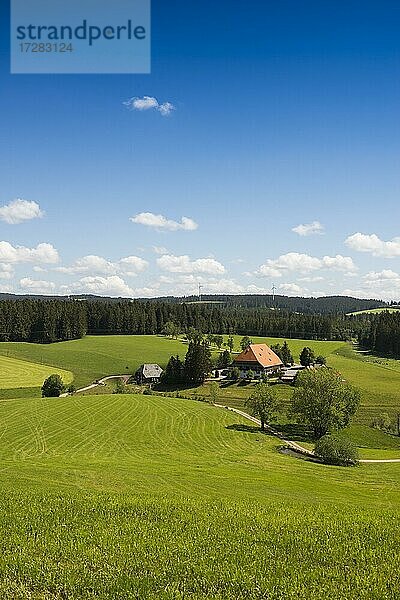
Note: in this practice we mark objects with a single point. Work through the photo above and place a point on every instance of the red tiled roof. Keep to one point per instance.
(259, 353)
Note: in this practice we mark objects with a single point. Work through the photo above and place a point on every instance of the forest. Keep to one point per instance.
(52, 320)
(383, 334)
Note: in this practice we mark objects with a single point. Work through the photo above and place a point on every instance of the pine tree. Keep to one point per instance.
(197, 363)
(286, 357)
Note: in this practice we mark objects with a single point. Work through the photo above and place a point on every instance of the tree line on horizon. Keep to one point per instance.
(52, 320)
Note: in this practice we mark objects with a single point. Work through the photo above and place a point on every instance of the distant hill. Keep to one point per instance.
(323, 305)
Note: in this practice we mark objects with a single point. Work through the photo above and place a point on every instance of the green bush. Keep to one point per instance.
(334, 450)
(52, 386)
(383, 422)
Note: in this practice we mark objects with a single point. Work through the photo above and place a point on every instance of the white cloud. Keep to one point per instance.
(292, 289)
(309, 229)
(384, 285)
(303, 263)
(160, 250)
(6, 271)
(20, 210)
(102, 286)
(149, 103)
(6, 289)
(183, 264)
(187, 285)
(385, 275)
(160, 222)
(339, 263)
(131, 266)
(43, 253)
(37, 287)
(374, 245)
(313, 279)
(147, 292)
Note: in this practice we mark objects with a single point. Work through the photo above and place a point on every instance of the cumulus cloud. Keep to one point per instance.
(149, 103)
(102, 286)
(384, 285)
(187, 285)
(43, 253)
(35, 286)
(20, 210)
(304, 263)
(312, 279)
(131, 266)
(5, 289)
(374, 245)
(6, 271)
(385, 275)
(160, 222)
(160, 250)
(183, 264)
(292, 289)
(313, 228)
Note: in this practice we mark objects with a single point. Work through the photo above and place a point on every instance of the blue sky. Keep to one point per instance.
(283, 114)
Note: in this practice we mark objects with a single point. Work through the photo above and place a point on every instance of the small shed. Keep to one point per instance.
(148, 373)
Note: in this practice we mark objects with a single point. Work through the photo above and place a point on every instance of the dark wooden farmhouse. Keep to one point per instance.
(148, 373)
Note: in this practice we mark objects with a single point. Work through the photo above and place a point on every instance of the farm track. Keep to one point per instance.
(294, 445)
(298, 448)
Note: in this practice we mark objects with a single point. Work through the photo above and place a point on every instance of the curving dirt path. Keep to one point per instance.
(294, 445)
(291, 444)
(96, 384)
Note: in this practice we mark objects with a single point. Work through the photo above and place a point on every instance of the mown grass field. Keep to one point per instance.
(94, 357)
(15, 373)
(146, 497)
(374, 311)
(97, 356)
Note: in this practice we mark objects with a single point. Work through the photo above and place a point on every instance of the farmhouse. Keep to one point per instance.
(258, 358)
(148, 373)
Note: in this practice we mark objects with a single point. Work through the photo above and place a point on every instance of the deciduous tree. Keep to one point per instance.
(264, 403)
(324, 401)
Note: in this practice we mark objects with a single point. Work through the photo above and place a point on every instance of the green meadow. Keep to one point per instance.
(147, 497)
(97, 356)
(131, 496)
(15, 373)
(374, 311)
(94, 357)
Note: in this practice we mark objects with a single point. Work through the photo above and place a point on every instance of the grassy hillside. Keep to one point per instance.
(147, 497)
(148, 443)
(16, 373)
(374, 311)
(96, 356)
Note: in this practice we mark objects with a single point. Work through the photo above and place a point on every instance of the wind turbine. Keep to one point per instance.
(273, 293)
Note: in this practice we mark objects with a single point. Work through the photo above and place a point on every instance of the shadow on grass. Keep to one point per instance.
(228, 383)
(248, 429)
(174, 387)
(242, 427)
(295, 432)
